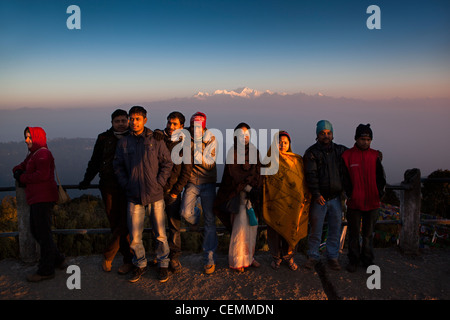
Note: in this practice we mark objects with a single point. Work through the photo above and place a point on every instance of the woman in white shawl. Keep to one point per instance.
(238, 198)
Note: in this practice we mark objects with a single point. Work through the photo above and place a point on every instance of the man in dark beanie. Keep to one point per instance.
(364, 183)
(363, 130)
(323, 173)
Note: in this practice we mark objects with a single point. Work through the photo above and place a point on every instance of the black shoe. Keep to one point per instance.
(366, 264)
(163, 275)
(334, 264)
(137, 273)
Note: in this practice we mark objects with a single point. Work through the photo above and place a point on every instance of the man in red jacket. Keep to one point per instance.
(364, 183)
(37, 173)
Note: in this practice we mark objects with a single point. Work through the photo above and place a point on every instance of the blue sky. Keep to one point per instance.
(139, 51)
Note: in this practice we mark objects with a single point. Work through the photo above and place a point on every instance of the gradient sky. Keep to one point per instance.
(139, 51)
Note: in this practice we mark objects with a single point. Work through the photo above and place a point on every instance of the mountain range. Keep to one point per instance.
(410, 132)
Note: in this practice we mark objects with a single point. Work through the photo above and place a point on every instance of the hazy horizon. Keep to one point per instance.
(409, 132)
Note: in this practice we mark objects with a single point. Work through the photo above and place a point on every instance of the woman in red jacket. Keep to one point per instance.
(36, 172)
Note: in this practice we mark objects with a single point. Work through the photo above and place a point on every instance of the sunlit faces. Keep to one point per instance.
(198, 130)
(325, 136)
(120, 123)
(28, 140)
(137, 123)
(283, 144)
(363, 143)
(173, 124)
(243, 136)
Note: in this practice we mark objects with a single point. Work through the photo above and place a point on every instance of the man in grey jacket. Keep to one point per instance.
(202, 183)
(143, 165)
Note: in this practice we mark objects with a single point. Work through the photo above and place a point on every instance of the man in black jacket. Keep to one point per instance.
(178, 179)
(143, 165)
(114, 199)
(323, 173)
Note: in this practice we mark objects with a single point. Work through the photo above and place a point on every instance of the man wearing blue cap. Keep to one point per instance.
(323, 173)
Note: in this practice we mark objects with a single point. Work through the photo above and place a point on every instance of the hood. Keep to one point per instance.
(39, 138)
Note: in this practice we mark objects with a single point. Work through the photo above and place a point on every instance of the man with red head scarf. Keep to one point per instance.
(37, 173)
(202, 184)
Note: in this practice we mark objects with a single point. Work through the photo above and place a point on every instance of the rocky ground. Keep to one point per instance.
(422, 277)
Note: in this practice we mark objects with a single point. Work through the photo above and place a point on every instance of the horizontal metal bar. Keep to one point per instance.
(106, 230)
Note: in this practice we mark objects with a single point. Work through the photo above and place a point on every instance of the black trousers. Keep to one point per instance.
(116, 210)
(356, 252)
(174, 223)
(40, 223)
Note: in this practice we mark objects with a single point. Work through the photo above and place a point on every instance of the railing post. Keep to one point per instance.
(28, 247)
(410, 212)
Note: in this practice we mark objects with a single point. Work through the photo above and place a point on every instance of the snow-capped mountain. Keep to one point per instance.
(243, 92)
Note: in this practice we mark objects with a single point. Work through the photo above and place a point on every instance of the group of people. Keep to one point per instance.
(139, 176)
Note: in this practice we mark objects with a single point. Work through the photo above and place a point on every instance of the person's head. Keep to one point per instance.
(35, 138)
(28, 138)
(284, 142)
(119, 120)
(175, 121)
(324, 132)
(242, 133)
(198, 124)
(363, 136)
(138, 119)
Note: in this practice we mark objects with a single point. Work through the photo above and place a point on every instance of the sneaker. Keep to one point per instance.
(125, 268)
(137, 273)
(163, 275)
(334, 264)
(106, 265)
(175, 265)
(37, 277)
(210, 268)
(311, 263)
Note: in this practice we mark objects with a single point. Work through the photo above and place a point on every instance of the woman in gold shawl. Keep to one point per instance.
(285, 204)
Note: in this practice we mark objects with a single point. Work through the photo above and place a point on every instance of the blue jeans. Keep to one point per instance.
(136, 215)
(332, 210)
(207, 194)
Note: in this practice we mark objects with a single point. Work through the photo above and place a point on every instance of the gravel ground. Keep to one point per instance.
(423, 277)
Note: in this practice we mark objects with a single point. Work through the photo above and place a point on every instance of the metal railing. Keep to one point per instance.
(409, 214)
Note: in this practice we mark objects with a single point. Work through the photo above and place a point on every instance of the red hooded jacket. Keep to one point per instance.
(39, 170)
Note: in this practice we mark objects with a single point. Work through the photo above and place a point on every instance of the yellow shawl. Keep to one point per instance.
(286, 199)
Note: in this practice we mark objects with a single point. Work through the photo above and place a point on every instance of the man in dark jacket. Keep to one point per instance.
(114, 199)
(178, 179)
(364, 183)
(323, 173)
(143, 165)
